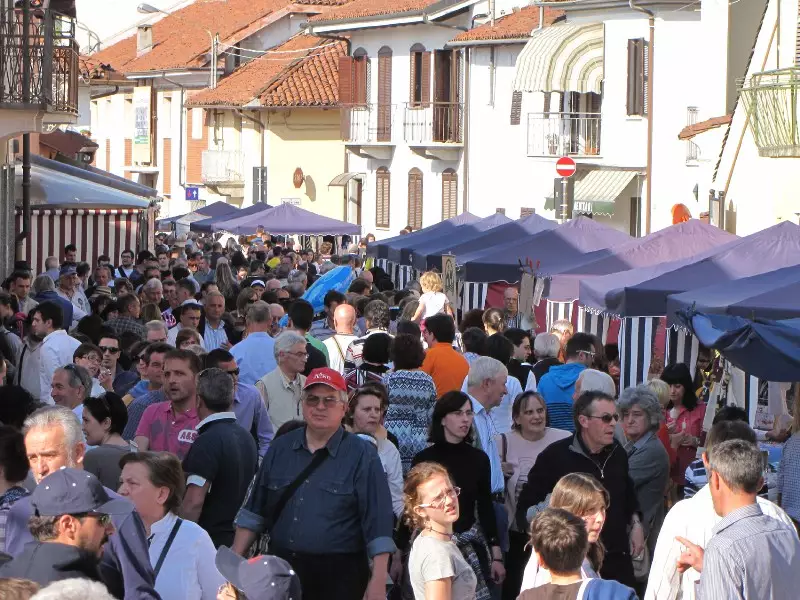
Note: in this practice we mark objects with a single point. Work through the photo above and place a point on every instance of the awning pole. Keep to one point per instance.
(26, 194)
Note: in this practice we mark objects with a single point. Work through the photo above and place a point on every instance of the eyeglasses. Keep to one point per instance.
(440, 500)
(606, 418)
(303, 355)
(109, 349)
(91, 358)
(103, 520)
(328, 402)
(587, 353)
(233, 372)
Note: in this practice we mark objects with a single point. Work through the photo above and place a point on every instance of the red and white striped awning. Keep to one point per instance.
(94, 231)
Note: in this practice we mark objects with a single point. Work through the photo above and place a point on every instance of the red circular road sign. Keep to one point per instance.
(565, 166)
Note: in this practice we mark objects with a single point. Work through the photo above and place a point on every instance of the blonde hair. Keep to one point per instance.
(581, 494)
(420, 474)
(661, 390)
(431, 281)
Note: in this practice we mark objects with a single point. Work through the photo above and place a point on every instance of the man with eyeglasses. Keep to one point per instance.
(221, 462)
(557, 386)
(322, 496)
(67, 545)
(247, 402)
(592, 449)
(282, 387)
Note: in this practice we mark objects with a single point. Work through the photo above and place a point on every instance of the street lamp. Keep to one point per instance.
(149, 9)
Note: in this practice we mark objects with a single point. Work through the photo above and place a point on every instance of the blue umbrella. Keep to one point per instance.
(338, 279)
(760, 347)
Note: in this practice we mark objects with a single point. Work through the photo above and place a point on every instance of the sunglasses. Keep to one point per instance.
(233, 372)
(606, 418)
(103, 520)
(109, 349)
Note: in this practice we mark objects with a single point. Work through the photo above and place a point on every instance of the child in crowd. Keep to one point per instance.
(432, 301)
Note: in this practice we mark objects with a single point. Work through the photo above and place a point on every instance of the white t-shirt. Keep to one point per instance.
(433, 559)
(434, 303)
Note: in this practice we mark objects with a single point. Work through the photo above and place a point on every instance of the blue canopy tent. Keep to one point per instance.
(212, 224)
(216, 209)
(551, 248)
(643, 292)
(676, 242)
(402, 255)
(771, 295)
(380, 249)
(288, 219)
(760, 347)
(429, 255)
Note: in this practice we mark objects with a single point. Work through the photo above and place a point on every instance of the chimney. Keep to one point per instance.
(144, 39)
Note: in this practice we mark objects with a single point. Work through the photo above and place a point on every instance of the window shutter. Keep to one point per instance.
(449, 194)
(645, 75)
(526, 211)
(516, 107)
(385, 95)
(637, 77)
(345, 94)
(500, 210)
(382, 189)
(361, 80)
(426, 79)
(415, 199)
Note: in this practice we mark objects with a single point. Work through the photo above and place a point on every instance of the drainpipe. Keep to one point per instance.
(649, 182)
(467, 69)
(541, 18)
(491, 12)
(26, 137)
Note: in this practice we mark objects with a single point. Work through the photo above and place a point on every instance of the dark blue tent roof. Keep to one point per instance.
(286, 219)
(429, 255)
(380, 249)
(760, 347)
(643, 292)
(676, 242)
(771, 295)
(551, 248)
(215, 209)
(212, 223)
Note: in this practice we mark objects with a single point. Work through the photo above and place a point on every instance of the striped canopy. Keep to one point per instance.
(562, 58)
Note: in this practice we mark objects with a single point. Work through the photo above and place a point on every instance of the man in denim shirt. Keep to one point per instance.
(339, 516)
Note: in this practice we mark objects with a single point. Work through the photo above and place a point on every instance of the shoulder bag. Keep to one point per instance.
(167, 546)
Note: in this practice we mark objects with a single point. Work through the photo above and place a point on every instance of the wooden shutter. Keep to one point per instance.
(382, 190)
(425, 83)
(385, 95)
(526, 211)
(449, 194)
(345, 93)
(516, 108)
(128, 157)
(637, 77)
(361, 80)
(166, 167)
(415, 199)
(500, 210)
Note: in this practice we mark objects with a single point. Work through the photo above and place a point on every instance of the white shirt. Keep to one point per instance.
(80, 305)
(57, 350)
(188, 571)
(337, 348)
(392, 466)
(172, 335)
(693, 519)
(501, 415)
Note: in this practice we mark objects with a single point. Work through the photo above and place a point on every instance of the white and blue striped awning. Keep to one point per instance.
(564, 57)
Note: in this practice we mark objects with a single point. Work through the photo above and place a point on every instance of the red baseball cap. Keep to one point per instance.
(326, 376)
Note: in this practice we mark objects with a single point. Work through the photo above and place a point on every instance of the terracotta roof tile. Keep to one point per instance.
(517, 25)
(181, 41)
(690, 131)
(369, 8)
(300, 72)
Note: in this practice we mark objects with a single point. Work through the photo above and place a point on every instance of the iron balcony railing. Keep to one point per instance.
(223, 166)
(772, 102)
(38, 61)
(434, 123)
(561, 134)
(367, 123)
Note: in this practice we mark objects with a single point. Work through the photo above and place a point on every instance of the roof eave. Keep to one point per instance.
(495, 42)
(366, 22)
(591, 5)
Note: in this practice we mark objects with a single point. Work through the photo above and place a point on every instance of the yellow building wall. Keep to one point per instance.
(309, 139)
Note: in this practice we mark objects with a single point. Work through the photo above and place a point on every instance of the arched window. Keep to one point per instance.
(420, 91)
(382, 189)
(415, 198)
(449, 194)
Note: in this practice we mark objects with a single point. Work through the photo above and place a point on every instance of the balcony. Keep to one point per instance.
(562, 134)
(38, 68)
(436, 129)
(771, 100)
(223, 171)
(367, 129)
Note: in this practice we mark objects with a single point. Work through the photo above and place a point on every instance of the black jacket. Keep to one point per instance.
(610, 467)
(542, 367)
(45, 562)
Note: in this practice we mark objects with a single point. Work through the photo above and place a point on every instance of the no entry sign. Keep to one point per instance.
(565, 166)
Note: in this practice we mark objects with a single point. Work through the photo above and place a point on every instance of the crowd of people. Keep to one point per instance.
(183, 425)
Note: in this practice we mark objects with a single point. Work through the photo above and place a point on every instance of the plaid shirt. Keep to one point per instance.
(124, 324)
(6, 501)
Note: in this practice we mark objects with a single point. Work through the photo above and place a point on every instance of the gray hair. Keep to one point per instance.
(73, 589)
(77, 375)
(286, 340)
(51, 262)
(646, 399)
(153, 284)
(215, 388)
(296, 290)
(43, 283)
(483, 368)
(597, 381)
(739, 463)
(156, 325)
(258, 312)
(546, 345)
(297, 276)
(50, 416)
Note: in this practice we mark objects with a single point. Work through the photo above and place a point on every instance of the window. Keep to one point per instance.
(449, 194)
(382, 189)
(165, 116)
(415, 198)
(420, 83)
(526, 211)
(501, 210)
(638, 76)
(385, 94)
(197, 123)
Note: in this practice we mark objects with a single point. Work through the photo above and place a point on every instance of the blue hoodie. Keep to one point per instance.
(557, 387)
